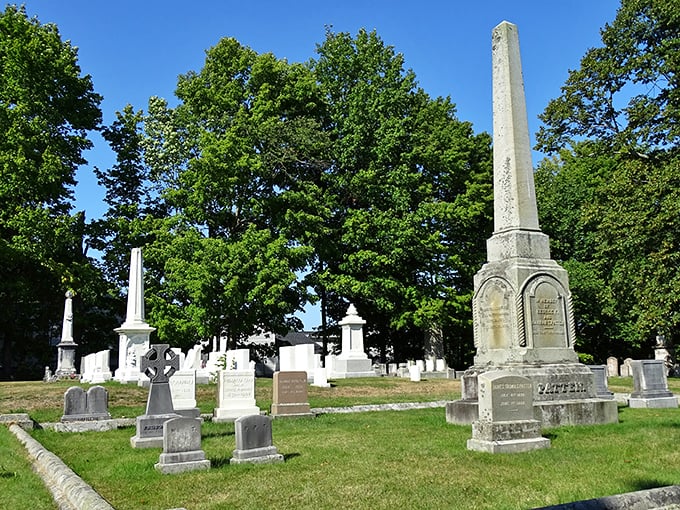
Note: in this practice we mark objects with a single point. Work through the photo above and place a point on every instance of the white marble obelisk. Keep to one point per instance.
(66, 349)
(134, 332)
(522, 310)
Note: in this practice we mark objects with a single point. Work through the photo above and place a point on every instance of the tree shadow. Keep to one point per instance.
(219, 462)
(218, 433)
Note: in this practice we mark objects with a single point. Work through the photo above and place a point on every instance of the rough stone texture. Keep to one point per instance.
(21, 419)
(506, 423)
(650, 385)
(661, 498)
(522, 306)
(86, 406)
(69, 491)
(254, 441)
(182, 447)
(601, 388)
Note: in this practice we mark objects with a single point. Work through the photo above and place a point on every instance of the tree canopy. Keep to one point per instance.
(609, 197)
(47, 109)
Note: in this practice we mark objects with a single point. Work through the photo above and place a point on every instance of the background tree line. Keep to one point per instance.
(273, 184)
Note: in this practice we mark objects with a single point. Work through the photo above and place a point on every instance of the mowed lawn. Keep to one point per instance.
(388, 459)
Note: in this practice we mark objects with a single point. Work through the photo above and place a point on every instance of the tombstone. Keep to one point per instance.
(440, 365)
(86, 406)
(100, 368)
(521, 306)
(429, 365)
(320, 379)
(287, 358)
(254, 441)
(506, 422)
(192, 361)
(352, 361)
(392, 369)
(183, 391)
(650, 386)
(238, 359)
(600, 374)
(414, 373)
(87, 368)
(66, 349)
(235, 395)
(134, 333)
(625, 369)
(612, 367)
(182, 447)
(290, 395)
(48, 377)
(159, 364)
(664, 352)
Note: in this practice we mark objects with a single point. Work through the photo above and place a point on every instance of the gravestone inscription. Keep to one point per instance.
(506, 421)
(290, 395)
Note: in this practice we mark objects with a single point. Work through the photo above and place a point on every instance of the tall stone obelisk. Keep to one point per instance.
(66, 349)
(522, 310)
(134, 333)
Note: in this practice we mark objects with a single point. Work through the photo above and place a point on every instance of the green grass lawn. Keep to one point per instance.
(391, 459)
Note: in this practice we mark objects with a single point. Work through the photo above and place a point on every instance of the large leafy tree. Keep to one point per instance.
(616, 127)
(408, 189)
(228, 165)
(46, 110)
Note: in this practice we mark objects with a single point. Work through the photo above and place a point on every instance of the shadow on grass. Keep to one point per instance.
(289, 456)
(643, 485)
(218, 433)
(219, 462)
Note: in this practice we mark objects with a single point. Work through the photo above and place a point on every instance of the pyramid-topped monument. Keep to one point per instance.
(522, 310)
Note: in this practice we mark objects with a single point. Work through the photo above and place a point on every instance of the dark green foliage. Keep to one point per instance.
(46, 110)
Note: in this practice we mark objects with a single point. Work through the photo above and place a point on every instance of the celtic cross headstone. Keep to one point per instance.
(159, 363)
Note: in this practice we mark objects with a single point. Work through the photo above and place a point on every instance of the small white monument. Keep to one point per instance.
(352, 361)
(66, 349)
(134, 333)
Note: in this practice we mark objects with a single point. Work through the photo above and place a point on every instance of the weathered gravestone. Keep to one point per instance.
(86, 406)
(86, 411)
(506, 421)
(159, 364)
(235, 395)
(182, 447)
(600, 374)
(254, 441)
(290, 395)
(522, 306)
(625, 369)
(183, 391)
(650, 386)
(612, 367)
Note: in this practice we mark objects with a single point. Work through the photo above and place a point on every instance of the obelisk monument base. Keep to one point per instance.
(522, 309)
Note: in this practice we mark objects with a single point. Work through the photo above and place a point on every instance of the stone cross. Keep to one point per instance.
(155, 361)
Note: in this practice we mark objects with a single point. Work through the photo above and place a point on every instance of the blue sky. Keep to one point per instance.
(136, 49)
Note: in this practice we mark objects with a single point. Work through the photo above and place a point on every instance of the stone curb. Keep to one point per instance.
(69, 491)
(661, 498)
(380, 407)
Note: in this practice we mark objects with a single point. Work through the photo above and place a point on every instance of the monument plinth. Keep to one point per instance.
(134, 333)
(66, 349)
(522, 309)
